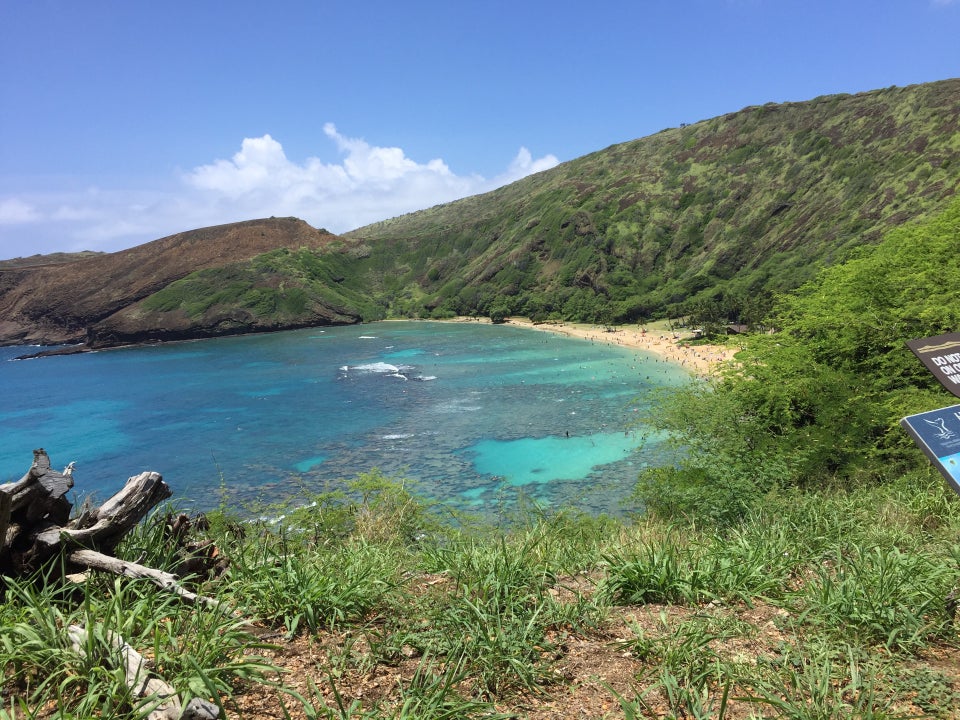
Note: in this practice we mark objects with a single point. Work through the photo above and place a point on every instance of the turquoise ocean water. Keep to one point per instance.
(469, 411)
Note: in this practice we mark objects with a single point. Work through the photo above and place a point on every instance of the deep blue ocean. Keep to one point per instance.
(470, 412)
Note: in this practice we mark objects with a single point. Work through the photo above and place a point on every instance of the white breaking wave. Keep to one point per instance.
(377, 367)
(381, 368)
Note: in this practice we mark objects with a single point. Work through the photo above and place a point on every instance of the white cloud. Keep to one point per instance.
(524, 164)
(14, 211)
(369, 183)
(365, 164)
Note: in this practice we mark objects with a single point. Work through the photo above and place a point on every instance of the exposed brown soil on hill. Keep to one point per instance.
(57, 302)
(57, 258)
(598, 672)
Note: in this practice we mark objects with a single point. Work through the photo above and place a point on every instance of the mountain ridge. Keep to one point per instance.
(694, 205)
(63, 302)
(709, 218)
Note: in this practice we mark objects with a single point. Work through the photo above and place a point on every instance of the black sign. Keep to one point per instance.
(941, 355)
(937, 432)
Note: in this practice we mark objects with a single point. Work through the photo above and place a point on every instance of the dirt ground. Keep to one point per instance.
(591, 672)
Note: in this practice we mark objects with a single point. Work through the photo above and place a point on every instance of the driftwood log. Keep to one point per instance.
(167, 581)
(35, 522)
(144, 685)
(35, 528)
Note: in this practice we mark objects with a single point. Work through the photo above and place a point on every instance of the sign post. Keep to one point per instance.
(937, 432)
(941, 356)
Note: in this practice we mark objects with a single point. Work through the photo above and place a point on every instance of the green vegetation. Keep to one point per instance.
(817, 403)
(282, 287)
(801, 560)
(815, 605)
(709, 219)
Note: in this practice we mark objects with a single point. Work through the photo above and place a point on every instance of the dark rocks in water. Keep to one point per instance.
(69, 350)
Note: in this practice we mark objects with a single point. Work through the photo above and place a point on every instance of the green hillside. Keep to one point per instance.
(711, 219)
(281, 286)
(817, 404)
(799, 561)
(744, 204)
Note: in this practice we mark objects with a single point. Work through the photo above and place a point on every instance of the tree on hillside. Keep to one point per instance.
(818, 402)
(499, 312)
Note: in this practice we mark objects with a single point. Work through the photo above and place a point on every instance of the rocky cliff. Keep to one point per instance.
(94, 298)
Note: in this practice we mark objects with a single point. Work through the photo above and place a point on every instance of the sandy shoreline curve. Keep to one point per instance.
(701, 360)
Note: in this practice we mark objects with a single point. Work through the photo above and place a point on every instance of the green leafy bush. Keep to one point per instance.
(817, 402)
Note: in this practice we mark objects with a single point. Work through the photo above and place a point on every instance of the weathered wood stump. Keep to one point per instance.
(143, 684)
(35, 527)
(34, 515)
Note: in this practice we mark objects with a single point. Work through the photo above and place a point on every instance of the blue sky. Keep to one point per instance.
(125, 121)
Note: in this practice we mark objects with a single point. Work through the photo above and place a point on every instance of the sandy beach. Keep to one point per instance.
(699, 360)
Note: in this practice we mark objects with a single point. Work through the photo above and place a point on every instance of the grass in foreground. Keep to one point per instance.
(826, 605)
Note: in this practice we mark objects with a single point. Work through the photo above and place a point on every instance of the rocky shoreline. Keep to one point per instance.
(700, 359)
